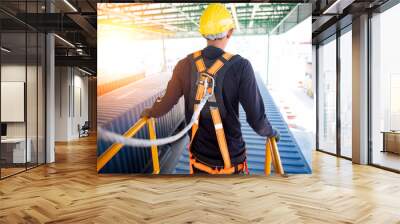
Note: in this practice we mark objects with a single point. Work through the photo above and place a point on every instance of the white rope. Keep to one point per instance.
(138, 142)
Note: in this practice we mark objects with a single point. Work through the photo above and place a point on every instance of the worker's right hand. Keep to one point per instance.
(146, 113)
(276, 134)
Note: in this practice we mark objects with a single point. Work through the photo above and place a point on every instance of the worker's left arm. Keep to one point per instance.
(252, 102)
(171, 97)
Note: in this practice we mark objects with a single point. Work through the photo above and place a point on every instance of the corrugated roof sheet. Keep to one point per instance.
(121, 108)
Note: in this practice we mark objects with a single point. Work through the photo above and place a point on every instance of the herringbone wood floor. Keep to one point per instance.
(70, 191)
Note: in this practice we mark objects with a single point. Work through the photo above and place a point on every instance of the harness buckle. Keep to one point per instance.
(208, 83)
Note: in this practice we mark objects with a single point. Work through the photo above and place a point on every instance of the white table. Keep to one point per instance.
(19, 155)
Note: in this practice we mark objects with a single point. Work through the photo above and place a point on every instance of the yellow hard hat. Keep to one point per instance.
(215, 19)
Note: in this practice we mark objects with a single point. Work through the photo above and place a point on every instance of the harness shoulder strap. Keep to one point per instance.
(218, 69)
(219, 84)
(199, 62)
(219, 63)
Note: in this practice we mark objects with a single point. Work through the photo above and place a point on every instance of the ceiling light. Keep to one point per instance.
(70, 5)
(5, 50)
(338, 6)
(84, 71)
(64, 40)
(333, 6)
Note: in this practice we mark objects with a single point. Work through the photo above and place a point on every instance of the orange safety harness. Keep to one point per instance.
(205, 78)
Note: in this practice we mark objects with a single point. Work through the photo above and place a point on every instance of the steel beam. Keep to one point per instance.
(84, 24)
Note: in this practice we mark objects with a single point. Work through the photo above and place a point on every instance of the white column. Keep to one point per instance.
(50, 99)
(50, 92)
(360, 90)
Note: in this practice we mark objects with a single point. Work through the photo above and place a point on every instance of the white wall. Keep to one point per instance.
(71, 102)
(80, 109)
(33, 126)
(62, 82)
(12, 73)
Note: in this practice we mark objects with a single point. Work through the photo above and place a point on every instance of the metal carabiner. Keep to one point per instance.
(207, 82)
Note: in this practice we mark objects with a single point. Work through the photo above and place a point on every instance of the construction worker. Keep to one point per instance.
(238, 86)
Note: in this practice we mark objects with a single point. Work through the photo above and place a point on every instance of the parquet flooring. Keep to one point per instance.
(70, 191)
(10, 171)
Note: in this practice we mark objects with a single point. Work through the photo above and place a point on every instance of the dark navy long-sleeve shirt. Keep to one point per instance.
(239, 86)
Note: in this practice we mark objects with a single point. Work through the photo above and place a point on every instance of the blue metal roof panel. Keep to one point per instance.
(120, 109)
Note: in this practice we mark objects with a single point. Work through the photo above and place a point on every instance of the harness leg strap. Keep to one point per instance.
(219, 130)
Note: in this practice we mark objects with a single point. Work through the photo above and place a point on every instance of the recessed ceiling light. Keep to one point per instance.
(84, 71)
(5, 50)
(70, 5)
(64, 40)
